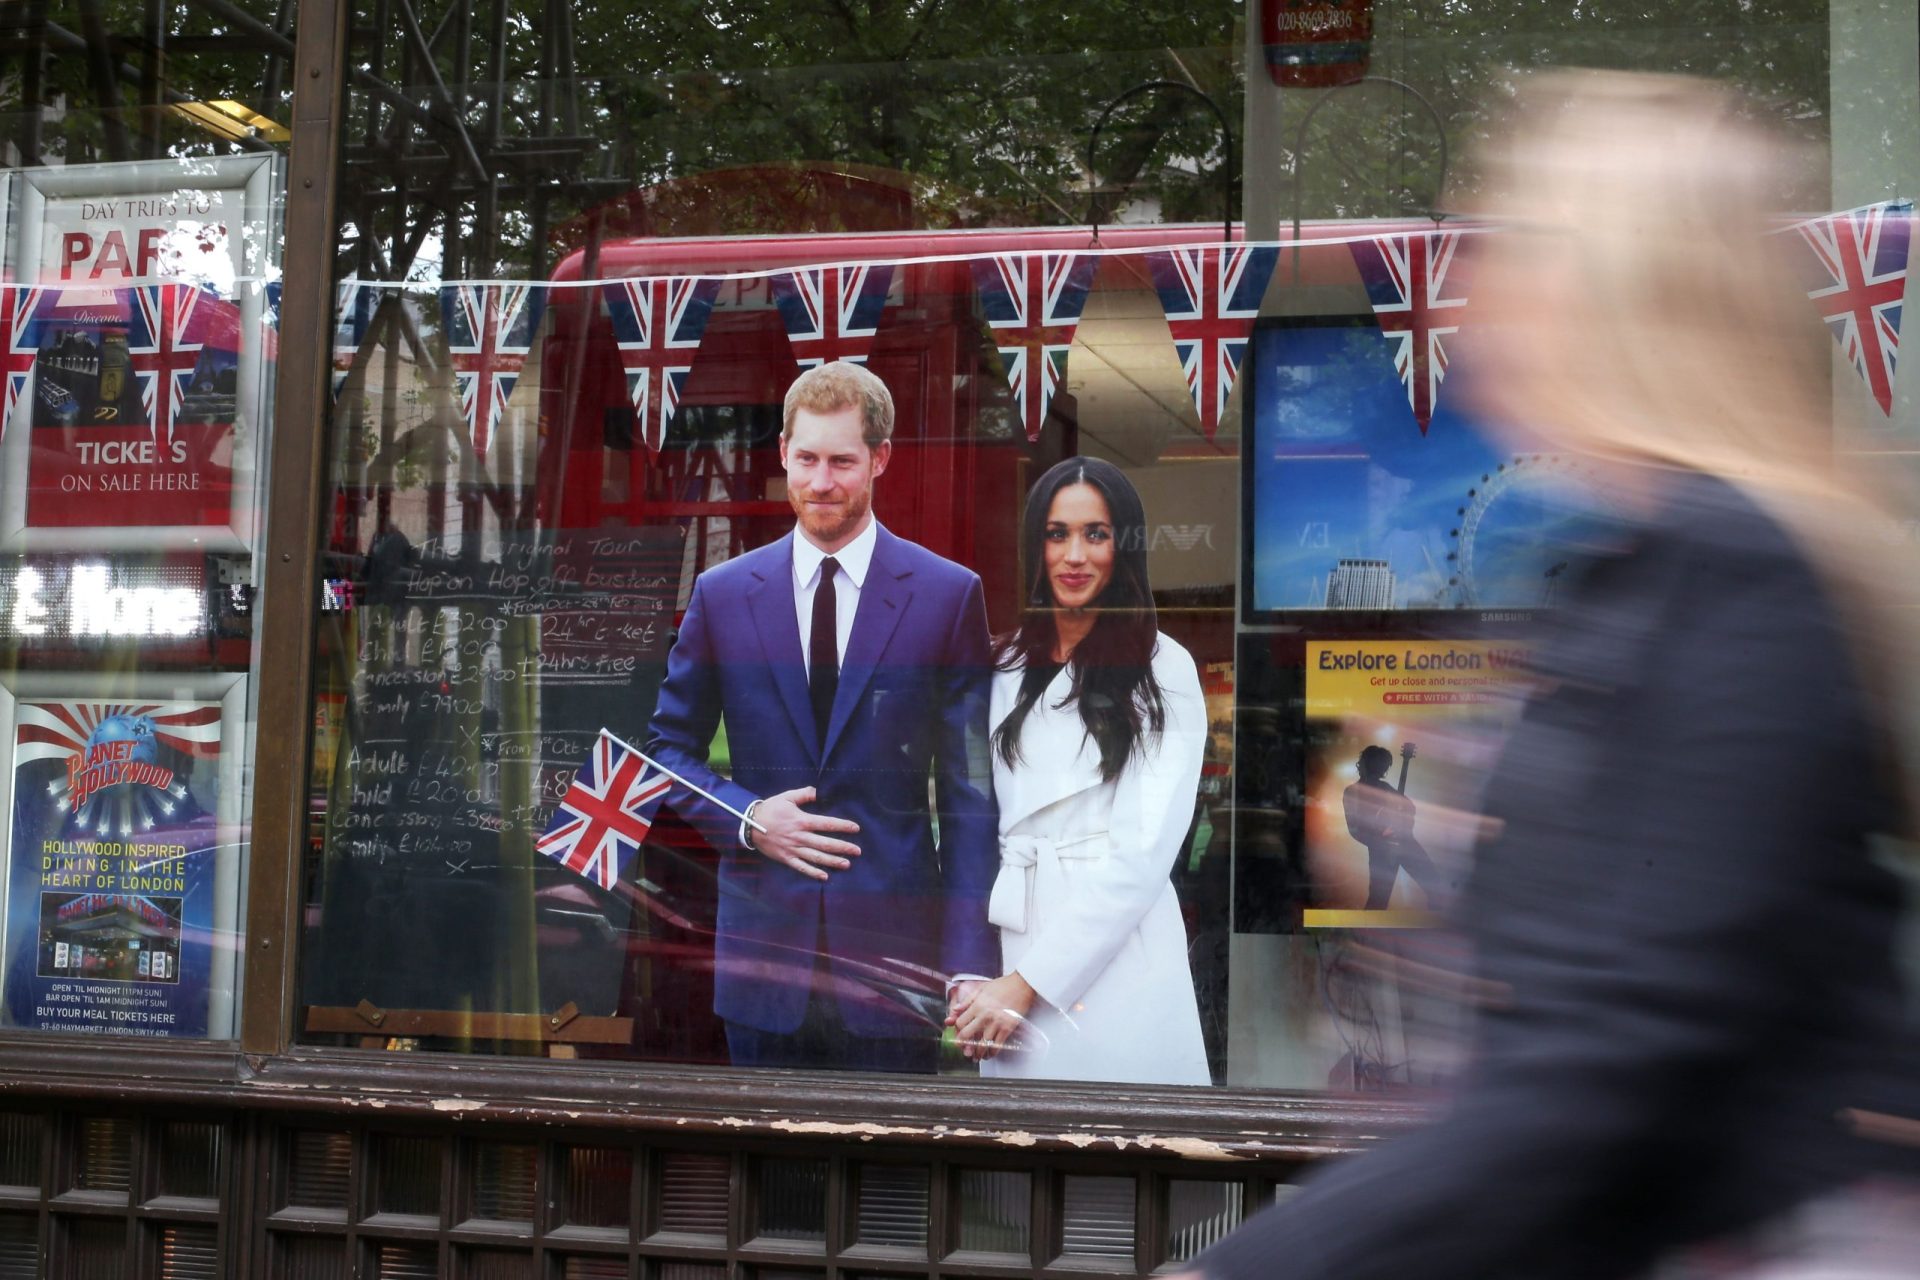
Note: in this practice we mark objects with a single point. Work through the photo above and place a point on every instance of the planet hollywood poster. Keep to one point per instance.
(140, 336)
(119, 894)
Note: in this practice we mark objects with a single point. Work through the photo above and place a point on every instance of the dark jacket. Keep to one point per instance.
(1695, 937)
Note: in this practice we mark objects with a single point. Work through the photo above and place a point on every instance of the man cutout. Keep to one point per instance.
(1381, 818)
(850, 666)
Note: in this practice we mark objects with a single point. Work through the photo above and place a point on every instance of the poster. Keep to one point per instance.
(1400, 737)
(145, 331)
(122, 861)
(1353, 507)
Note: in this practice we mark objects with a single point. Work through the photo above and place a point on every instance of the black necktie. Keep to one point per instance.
(823, 653)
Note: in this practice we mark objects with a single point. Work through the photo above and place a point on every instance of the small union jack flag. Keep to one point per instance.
(658, 324)
(19, 341)
(354, 307)
(1211, 298)
(606, 813)
(832, 313)
(490, 330)
(1033, 303)
(1858, 282)
(166, 329)
(1417, 297)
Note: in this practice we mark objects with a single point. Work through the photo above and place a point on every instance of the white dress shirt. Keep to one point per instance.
(855, 558)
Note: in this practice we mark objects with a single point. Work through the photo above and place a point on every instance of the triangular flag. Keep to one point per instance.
(1033, 303)
(1859, 278)
(1417, 293)
(490, 330)
(658, 324)
(1211, 298)
(832, 313)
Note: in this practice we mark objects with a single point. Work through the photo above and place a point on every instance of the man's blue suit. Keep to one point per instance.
(911, 705)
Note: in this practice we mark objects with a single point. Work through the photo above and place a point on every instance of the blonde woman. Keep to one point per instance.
(1695, 1026)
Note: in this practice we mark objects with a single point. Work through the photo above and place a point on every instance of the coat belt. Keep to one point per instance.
(1030, 864)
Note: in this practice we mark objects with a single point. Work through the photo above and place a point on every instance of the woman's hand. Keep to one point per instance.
(989, 1018)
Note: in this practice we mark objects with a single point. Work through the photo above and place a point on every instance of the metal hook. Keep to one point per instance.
(1226, 140)
(1300, 143)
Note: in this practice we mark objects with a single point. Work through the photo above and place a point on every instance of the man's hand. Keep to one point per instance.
(989, 1014)
(798, 839)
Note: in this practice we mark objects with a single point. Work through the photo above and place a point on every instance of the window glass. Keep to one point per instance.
(140, 198)
(576, 606)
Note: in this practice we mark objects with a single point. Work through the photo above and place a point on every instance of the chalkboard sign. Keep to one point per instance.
(479, 680)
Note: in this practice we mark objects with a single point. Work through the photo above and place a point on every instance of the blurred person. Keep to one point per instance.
(1697, 1036)
(1099, 728)
(851, 667)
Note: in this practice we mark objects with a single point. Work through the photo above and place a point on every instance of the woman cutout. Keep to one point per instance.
(1098, 731)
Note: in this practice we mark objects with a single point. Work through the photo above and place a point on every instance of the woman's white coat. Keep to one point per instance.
(1086, 910)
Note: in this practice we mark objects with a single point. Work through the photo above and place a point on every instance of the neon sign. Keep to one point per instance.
(87, 599)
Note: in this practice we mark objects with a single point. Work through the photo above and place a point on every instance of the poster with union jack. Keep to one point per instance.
(1416, 286)
(658, 324)
(140, 382)
(490, 331)
(1032, 303)
(832, 313)
(1858, 280)
(1211, 297)
(606, 814)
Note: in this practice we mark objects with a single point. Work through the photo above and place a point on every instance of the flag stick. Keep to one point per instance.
(702, 792)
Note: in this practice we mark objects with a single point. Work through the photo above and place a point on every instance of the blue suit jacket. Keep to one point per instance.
(912, 704)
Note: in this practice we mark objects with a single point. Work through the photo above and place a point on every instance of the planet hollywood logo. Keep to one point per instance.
(126, 759)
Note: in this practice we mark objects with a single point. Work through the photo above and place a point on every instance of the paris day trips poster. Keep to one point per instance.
(112, 866)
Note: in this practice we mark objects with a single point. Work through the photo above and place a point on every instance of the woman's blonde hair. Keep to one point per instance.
(1661, 199)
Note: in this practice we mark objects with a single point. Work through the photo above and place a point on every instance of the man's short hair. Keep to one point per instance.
(837, 385)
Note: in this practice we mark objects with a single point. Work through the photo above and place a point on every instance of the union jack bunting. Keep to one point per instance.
(658, 324)
(1033, 303)
(606, 813)
(832, 313)
(166, 329)
(353, 312)
(490, 330)
(19, 341)
(1417, 295)
(1211, 298)
(1858, 278)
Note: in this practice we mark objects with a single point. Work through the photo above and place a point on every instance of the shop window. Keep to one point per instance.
(141, 183)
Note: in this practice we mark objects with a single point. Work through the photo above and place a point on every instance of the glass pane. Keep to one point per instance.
(142, 182)
(96, 1249)
(319, 1164)
(557, 461)
(19, 1246)
(694, 1194)
(503, 1181)
(104, 1161)
(665, 1270)
(793, 1199)
(20, 1139)
(599, 1186)
(408, 1179)
(582, 1267)
(1096, 1217)
(310, 1258)
(190, 1253)
(1198, 1215)
(996, 1210)
(190, 1159)
(893, 1206)
(498, 1264)
(405, 1262)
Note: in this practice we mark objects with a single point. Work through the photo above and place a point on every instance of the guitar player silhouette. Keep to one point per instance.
(1381, 817)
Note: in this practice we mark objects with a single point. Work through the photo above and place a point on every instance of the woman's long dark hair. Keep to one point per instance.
(1112, 668)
